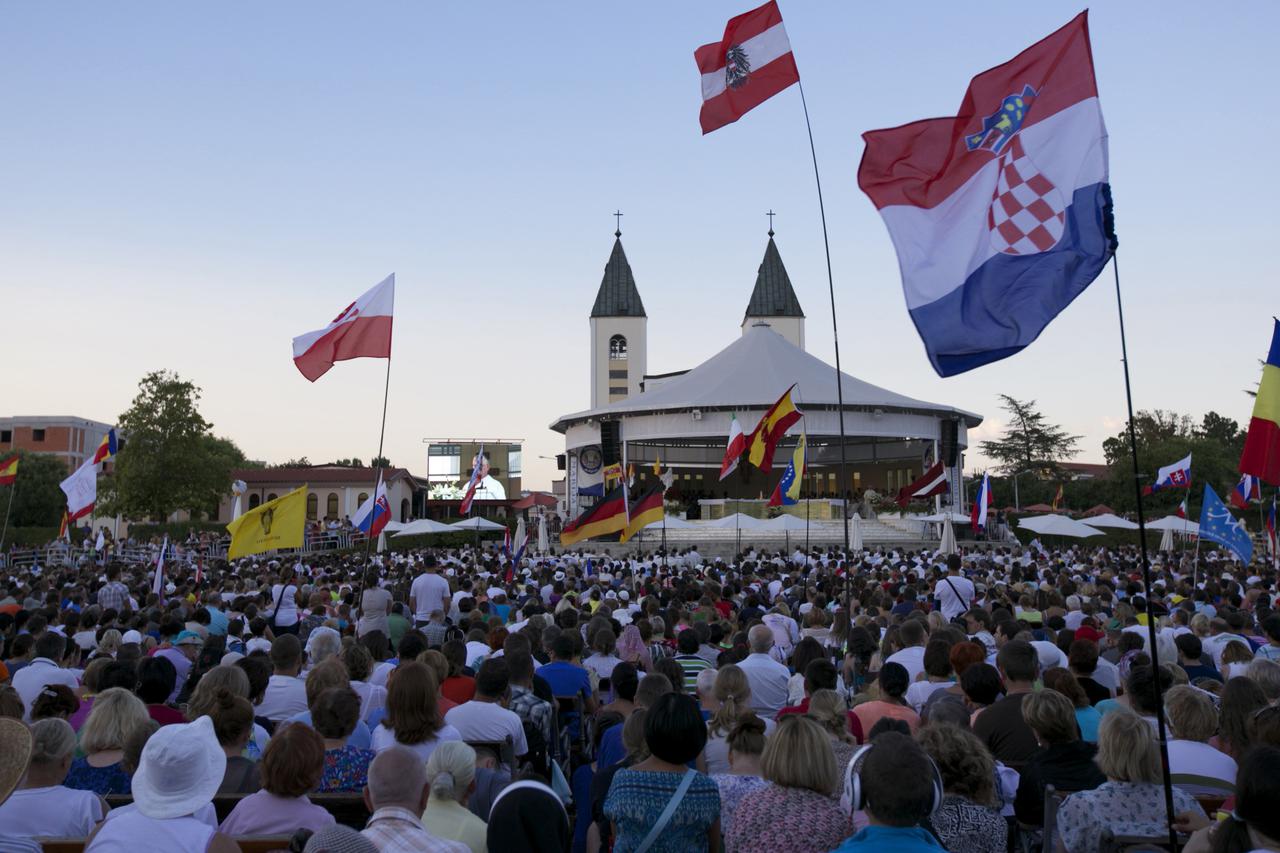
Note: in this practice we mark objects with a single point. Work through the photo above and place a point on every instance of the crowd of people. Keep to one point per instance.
(1003, 700)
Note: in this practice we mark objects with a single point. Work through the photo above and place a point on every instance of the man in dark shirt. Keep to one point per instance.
(1082, 657)
(1065, 761)
(1190, 658)
(1001, 726)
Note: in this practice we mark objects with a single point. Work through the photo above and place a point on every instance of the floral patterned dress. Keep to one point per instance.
(1123, 807)
(345, 769)
(787, 820)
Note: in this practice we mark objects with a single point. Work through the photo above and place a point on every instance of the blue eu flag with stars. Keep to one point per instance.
(1217, 524)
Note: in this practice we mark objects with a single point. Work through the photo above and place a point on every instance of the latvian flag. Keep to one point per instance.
(931, 482)
(361, 330)
(981, 503)
(1001, 216)
(1247, 490)
(751, 64)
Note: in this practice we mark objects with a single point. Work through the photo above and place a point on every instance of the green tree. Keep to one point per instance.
(170, 460)
(37, 499)
(300, 462)
(353, 462)
(1030, 443)
(380, 462)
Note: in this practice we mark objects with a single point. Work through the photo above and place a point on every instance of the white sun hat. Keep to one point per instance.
(181, 769)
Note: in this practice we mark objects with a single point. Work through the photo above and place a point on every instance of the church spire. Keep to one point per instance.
(618, 296)
(773, 301)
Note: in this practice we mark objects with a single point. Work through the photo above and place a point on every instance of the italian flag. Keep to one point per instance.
(736, 447)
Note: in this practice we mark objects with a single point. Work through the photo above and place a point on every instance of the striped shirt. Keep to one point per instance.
(692, 665)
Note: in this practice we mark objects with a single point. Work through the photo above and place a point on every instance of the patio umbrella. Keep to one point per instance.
(535, 499)
(948, 544)
(394, 526)
(786, 521)
(855, 535)
(542, 534)
(739, 520)
(1166, 541)
(1058, 525)
(1038, 508)
(421, 526)
(1111, 520)
(475, 523)
(1100, 509)
(1182, 526)
(520, 533)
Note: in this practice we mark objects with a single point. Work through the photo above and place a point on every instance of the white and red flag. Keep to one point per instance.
(361, 330)
(733, 451)
(81, 489)
(930, 483)
(751, 64)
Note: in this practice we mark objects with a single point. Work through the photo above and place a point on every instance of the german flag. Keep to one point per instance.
(107, 449)
(606, 517)
(1261, 456)
(9, 469)
(772, 427)
(644, 511)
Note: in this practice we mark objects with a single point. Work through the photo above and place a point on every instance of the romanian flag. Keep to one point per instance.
(606, 517)
(8, 469)
(107, 449)
(1261, 456)
(275, 524)
(644, 511)
(787, 492)
(772, 427)
(1057, 498)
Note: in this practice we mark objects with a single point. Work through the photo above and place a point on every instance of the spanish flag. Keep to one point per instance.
(9, 469)
(612, 472)
(773, 426)
(644, 511)
(1261, 456)
(787, 492)
(606, 517)
(1057, 498)
(107, 448)
(275, 524)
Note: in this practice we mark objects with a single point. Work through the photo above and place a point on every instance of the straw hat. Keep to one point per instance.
(15, 752)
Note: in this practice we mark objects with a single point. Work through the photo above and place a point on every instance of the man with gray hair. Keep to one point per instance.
(767, 677)
(396, 795)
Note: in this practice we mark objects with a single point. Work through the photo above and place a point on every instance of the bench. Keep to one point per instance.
(347, 809)
(248, 844)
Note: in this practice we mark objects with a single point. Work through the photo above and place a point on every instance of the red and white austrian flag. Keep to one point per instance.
(751, 64)
(361, 330)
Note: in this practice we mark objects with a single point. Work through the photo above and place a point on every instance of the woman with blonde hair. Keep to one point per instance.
(451, 771)
(797, 811)
(732, 693)
(108, 644)
(1130, 758)
(968, 820)
(116, 714)
(830, 713)
(42, 805)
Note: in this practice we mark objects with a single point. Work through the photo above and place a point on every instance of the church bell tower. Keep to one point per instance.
(619, 332)
(773, 300)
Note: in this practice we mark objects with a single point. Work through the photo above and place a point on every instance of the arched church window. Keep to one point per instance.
(618, 348)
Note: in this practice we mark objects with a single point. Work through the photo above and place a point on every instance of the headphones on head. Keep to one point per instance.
(853, 796)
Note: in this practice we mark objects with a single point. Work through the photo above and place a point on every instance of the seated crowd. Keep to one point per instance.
(1009, 700)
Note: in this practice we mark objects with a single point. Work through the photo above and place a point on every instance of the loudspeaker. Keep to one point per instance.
(610, 441)
(561, 462)
(949, 444)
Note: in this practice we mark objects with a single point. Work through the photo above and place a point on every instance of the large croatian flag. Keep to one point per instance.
(1002, 215)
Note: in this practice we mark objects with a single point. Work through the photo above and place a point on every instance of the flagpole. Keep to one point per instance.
(1161, 730)
(377, 479)
(835, 328)
(13, 492)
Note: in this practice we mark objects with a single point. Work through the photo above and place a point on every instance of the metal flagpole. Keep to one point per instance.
(13, 492)
(835, 328)
(1162, 732)
(377, 478)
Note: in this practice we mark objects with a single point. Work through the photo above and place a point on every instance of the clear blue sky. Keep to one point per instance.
(188, 187)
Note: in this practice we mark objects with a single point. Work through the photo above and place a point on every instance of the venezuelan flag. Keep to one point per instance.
(644, 511)
(9, 469)
(772, 427)
(606, 517)
(1261, 456)
(107, 449)
(787, 492)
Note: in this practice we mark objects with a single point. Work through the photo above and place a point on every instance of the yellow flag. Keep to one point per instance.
(275, 524)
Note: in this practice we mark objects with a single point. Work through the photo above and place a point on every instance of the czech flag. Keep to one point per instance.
(374, 513)
(107, 448)
(772, 427)
(1247, 490)
(787, 492)
(1001, 215)
(606, 517)
(1261, 456)
(1175, 476)
(981, 503)
(9, 469)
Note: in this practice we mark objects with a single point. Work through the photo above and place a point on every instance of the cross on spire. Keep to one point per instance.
(770, 214)
(618, 220)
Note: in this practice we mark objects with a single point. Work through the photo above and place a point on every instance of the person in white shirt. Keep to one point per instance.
(42, 805)
(954, 592)
(485, 717)
(286, 693)
(786, 633)
(914, 635)
(767, 677)
(1196, 767)
(45, 669)
(429, 592)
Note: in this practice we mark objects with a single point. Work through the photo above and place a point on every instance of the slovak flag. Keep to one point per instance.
(1175, 476)
(479, 469)
(734, 449)
(361, 330)
(748, 66)
(1001, 216)
(374, 513)
(981, 503)
(1248, 489)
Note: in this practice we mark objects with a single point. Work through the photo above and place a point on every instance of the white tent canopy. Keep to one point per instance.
(1110, 520)
(786, 521)
(421, 526)
(393, 526)
(674, 522)
(740, 520)
(476, 523)
(1178, 525)
(1058, 525)
(938, 518)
